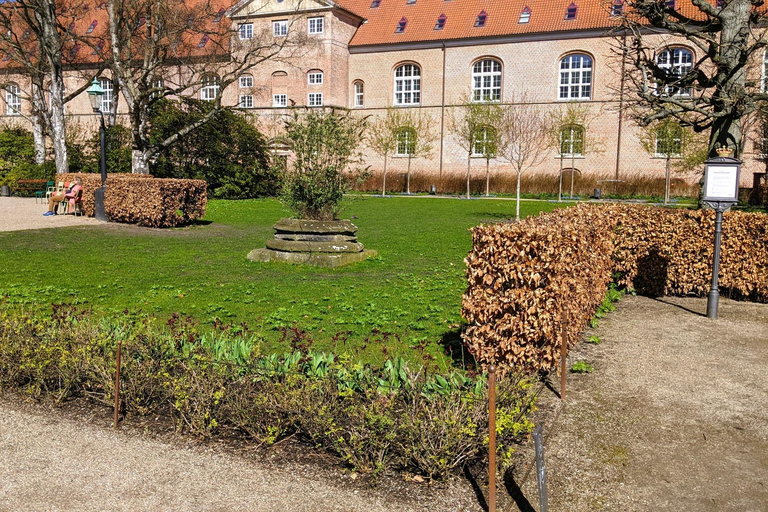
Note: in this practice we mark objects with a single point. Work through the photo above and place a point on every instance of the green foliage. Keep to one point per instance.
(228, 152)
(324, 147)
(582, 367)
(29, 171)
(371, 417)
(594, 339)
(17, 156)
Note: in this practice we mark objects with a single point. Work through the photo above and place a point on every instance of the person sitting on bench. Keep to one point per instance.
(70, 193)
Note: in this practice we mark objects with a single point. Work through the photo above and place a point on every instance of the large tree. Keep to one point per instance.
(714, 92)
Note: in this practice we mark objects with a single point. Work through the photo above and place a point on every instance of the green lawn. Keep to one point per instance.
(412, 290)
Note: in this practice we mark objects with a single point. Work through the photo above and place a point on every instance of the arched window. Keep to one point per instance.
(12, 99)
(485, 142)
(572, 140)
(210, 88)
(676, 63)
(280, 89)
(669, 139)
(315, 77)
(109, 91)
(575, 77)
(358, 90)
(406, 141)
(486, 80)
(407, 84)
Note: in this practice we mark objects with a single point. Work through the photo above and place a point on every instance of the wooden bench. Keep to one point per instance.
(30, 185)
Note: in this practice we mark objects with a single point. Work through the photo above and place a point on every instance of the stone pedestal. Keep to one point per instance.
(313, 242)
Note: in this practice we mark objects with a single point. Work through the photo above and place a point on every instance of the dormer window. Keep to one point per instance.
(99, 48)
(74, 50)
(410, 2)
(570, 12)
(481, 19)
(617, 8)
(219, 15)
(440, 25)
(203, 41)
(375, 4)
(525, 16)
(401, 25)
(720, 4)
(670, 4)
(92, 27)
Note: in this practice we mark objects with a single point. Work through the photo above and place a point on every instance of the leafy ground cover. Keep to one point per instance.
(408, 297)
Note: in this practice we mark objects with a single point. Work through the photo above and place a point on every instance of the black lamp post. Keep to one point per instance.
(721, 191)
(95, 93)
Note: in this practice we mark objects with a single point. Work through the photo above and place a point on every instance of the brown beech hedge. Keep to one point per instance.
(144, 200)
(532, 282)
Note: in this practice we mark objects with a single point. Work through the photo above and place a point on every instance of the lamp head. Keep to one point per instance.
(95, 93)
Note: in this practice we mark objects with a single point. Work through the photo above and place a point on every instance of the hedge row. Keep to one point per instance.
(144, 200)
(529, 282)
(215, 385)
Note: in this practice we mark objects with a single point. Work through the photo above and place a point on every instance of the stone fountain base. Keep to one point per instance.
(313, 242)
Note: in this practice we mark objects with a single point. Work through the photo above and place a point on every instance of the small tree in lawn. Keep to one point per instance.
(468, 122)
(413, 136)
(382, 138)
(670, 140)
(568, 129)
(324, 147)
(524, 139)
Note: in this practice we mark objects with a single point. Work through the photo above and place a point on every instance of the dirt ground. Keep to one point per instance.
(673, 417)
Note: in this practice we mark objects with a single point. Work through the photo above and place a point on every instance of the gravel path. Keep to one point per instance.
(17, 213)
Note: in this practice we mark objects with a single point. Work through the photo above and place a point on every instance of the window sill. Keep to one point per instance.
(569, 157)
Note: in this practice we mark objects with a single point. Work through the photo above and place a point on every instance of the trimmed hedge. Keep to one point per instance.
(528, 280)
(144, 200)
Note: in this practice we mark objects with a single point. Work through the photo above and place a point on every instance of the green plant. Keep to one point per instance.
(594, 339)
(582, 367)
(324, 147)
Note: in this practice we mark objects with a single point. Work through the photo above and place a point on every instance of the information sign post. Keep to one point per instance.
(721, 191)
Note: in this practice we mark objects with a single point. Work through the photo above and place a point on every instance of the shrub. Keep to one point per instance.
(372, 418)
(228, 152)
(324, 145)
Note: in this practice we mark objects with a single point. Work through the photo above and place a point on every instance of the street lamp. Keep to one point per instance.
(721, 191)
(95, 93)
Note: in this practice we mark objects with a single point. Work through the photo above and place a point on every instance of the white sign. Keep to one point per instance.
(721, 182)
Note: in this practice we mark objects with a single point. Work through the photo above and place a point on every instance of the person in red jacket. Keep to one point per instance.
(71, 193)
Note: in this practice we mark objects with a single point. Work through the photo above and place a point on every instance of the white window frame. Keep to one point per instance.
(678, 142)
(280, 28)
(210, 88)
(245, 81)
(575, 82)
(407, 89)
(245, 101)
(486, 80)
(245, 31)
(316, 25)
(481, 141)
(359, 92)
(315, 78)
(315, 99)
(676, 65)
(572, 129)
(279, 100)
(403, 143)
(109, 91)
(12, 100)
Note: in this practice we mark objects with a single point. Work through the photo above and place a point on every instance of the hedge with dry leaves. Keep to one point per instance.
(144, 200)
(533, 282)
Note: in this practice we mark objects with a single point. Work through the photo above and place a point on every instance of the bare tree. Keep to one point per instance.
(524, 138)
(716, 91)
(468, 122)
(162, 48)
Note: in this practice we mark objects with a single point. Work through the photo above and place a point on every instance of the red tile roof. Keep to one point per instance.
(547, 16)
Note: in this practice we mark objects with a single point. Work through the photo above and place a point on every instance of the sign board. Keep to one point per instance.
(721, 180)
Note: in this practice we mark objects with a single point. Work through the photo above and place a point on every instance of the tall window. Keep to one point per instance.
(246, 81)
(316, 25)
(485, 142)
(669, 140)
(279, 100)
(12, 100)
(210, 88)
(572, 140)
(109, 91)
(245, 30)
(575, 77)
(676, 63)
(406, 141)
(407, 84)
(315, 78)
(315, 99)
(486, 80)
(280, 28)
(245, 101)
(359, 98)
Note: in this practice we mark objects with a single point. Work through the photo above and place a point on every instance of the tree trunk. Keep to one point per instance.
(38, 122)
(667, 179)
(469, 165)
(58, 127)
(560, 188)
(139, 162)
(517, 206)
(487, 176)
(408, 177)
(384, 179)
(573, 168)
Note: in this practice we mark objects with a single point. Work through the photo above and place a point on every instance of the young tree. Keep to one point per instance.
(669, 139)
(163, 48)
(414, 137)
(468, 122)
(714, 93)
(569, 126)
(524, 138)
(382, 139)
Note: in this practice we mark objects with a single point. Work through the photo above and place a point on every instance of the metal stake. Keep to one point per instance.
(541, 470)
(714, 293)
(117, 383)
(563, 363)
(491, 438)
